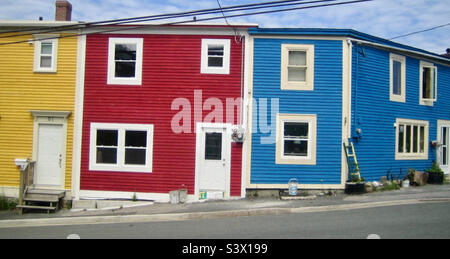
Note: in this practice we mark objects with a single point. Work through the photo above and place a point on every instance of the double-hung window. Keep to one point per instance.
(397, 78)
(121, 147)
(125, 61)
(45, 54)
(411, 139)
(296, 139)
(428, 83)
(215, 58)
(297, 67)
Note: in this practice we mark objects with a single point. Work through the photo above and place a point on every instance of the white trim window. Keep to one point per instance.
(45, 54)
(397, 78)
(428, 83)
(296, 139)
(297, 67)
(215, 57)
(125, 61)
(411, 139)
(121, 147)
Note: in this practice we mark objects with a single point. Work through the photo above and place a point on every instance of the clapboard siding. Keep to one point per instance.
(22, 90)
(375, 114)
(171, 69)
(325, 101)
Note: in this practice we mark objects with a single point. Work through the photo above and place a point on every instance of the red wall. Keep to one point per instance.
(171, 69)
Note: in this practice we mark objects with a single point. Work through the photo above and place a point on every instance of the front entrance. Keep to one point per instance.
(49, 148)
(444, 143)
(213, 158)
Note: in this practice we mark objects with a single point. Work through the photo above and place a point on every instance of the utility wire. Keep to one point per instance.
(417, 32)
(166, 16)
(188, 21)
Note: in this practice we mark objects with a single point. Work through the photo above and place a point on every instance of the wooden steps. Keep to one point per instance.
(41, 199)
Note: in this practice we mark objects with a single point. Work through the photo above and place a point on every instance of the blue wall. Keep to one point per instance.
(375, 114)
(325, 101)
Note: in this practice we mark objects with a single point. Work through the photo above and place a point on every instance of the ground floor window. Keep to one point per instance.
(121, 147)
(296, 139)
(411, 139)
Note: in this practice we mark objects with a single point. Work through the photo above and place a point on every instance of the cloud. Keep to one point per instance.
(383, 18)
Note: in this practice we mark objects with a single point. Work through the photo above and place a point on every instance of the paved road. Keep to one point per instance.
(430, 220)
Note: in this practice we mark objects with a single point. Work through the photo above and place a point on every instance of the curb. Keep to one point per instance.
(202, 215)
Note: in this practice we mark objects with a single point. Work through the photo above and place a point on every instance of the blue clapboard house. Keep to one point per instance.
(314, 90)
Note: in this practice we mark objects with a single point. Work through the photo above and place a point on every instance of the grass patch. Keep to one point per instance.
(7, 204)
(390, 186)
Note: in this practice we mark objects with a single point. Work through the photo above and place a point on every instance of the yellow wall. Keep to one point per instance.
(22, 90)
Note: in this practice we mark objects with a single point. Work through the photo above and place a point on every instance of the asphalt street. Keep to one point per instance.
(427, 220)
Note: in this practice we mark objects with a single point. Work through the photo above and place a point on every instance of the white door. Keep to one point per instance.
(443, 147)
(49, 157)
(214, 155)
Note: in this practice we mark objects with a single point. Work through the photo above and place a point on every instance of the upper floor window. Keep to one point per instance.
(45, 54)
(125, 61)
(215, 57)
(428, 83)
(397, 78)
(297, 67)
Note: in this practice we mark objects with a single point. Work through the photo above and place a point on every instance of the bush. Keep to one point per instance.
(7, 204)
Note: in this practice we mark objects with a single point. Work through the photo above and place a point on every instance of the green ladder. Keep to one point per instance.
(352, 161)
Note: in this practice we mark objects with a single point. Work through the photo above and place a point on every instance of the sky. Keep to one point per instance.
(382, 18)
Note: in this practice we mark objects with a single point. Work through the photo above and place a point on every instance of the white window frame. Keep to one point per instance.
(225, 69)
(39, 39)
(137, 79)
(121, 166)
(310, 159)
(423, 101)
(402, 60)
(308, 85)
(411, 155)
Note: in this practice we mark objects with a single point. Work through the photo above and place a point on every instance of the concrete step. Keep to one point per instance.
(36, 207)
(41, 197)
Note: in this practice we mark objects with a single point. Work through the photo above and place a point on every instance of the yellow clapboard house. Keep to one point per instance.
(37, 102)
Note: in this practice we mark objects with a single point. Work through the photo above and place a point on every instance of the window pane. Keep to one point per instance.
(136, 139)
(46, 62)
(215, 61)
(296, 74)
(397, 89)
(296, 148)
(444, 156)
(296, 129)
(422, 139)
(106, 155)
(46, 48)
(216, 50)
(415, 139)
(135, 156)
(213, 146)
(427, 88)
(408, 138)
(297, 58)
(125, 52)
(401, 138)
(125, 69)
(107, 138)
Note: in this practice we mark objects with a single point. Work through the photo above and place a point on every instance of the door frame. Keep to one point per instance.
(441, 123)
(51, 118)
(200, 145)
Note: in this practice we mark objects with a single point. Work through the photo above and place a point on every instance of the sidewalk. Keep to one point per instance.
(147, 212)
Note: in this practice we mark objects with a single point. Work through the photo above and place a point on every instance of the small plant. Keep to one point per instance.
(7, 204)
(354, 178)
(390, 186)
(435, 169)
(134, 198)
(435, 174)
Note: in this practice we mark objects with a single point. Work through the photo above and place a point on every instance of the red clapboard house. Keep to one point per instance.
(160, 107)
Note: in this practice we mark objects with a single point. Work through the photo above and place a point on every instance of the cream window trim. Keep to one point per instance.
(429, 101)
(310, 159)
(303, 85)
(418, 148)
(39, 55)
(402, 60)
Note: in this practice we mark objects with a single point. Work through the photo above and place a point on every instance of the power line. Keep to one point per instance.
(198, 20)
(235, 8)
(417, 32)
